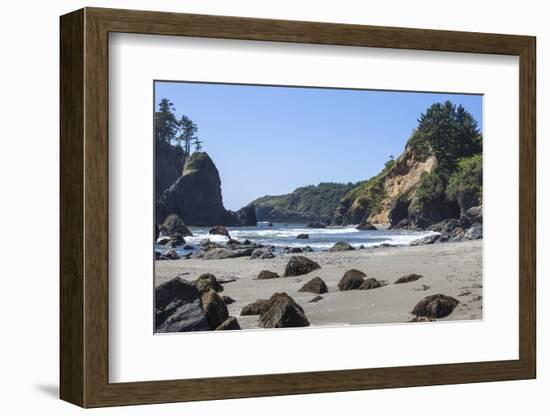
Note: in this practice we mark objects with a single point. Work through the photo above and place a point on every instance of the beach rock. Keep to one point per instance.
(315, 299)
(163, 240)
(430, 239)
(408, 278)
(214, 308)
(446, 226)
(366, 226)
(472, 216)
(435, 306)
(315, 285)
(307, 249)
(266, 274)
(316, 225)
(207, 245)
(228, 300)
(298, 265)
(352, 279)
(230, 324)
(475, 232)
(219, 230)
(361, 247)
(207, 281)
(370, 283)
(281, 311)
(302, 236)
(293, 250)
(226, 253)
(172, 225)
(341, 246)
(457, 234)
(422, 288)
(247, 242)
(177, 240)
(254, 308)
(178, 307)
(262, 253)
(170, 254)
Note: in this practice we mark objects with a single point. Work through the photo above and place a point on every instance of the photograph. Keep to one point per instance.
(305, 206)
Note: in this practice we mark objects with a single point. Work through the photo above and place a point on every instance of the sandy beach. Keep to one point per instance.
(453, 269)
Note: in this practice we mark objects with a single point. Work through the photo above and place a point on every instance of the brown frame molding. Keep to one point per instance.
(84, 207)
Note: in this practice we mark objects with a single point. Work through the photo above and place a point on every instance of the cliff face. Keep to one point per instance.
(196, 197)
(305, 204)
(438, 176)
(168, 166)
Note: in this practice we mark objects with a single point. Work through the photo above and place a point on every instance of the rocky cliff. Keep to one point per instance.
(305, 204)
(196, 197)
(438, 176)
(168, 166)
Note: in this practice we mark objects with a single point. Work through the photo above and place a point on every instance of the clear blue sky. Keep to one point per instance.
(271, 140)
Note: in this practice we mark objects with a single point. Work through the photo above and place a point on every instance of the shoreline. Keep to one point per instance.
(453, 269)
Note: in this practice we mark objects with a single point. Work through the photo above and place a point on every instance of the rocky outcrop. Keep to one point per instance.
(178, 307)
(352, 279)
(315, 285)
(196, 197)
(341, 246)
(246, 216)
(281, 311)
(174, 225)
(298, 265)
(168, 166)
(435, 306)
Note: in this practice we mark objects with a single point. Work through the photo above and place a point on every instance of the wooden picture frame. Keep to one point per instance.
(84, 207)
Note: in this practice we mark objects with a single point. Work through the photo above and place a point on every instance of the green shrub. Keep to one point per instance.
(465, 184)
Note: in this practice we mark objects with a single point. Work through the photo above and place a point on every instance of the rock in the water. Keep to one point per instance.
(254, 308)
(435, 306)
(475, 232)
(266, 274)
(315, 299)
(228, 300)
(177, 240)
(298, 265)
(341, 246)
(219, 230)
(316, 225)
(430, 239)
(408, 278)
(315, 285)
(226, 253)
(230, 324)
(352, 279)
(214, 308)
(302, 236)
(366, 226)
(307, 249)
(262, 253)
(281, 311)
(370, 283)
(163, 240)
(170, 254)
(173, 224)
(208, 281)
(178, 307)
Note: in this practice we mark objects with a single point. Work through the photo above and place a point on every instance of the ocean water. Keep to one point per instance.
(282, 235)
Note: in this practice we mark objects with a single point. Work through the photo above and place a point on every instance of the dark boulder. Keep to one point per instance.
(178, 307)
(172, 225)
(408, 278)
(472, 216)
(446, 226)
(177, 240)
(430, 239)
(475, 232)
(170, 254)
(370, 283)
(226, 253)
(219, 230)
(342, 246)
(281, 311)
(316, 225)
(262, 253)
(254, 308)
(315, 299)
(315, 285)
(352, 279)
(230, 324)
(307, 249)
(435, 306)
(266, 274)
(214, 308)
(208, 281)
(366, 226)
(298, 265)
(302, 236)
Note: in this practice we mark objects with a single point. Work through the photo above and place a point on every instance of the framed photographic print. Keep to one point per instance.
(256, 207)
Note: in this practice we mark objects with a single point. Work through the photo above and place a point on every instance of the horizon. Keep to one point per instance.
(338, 128)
